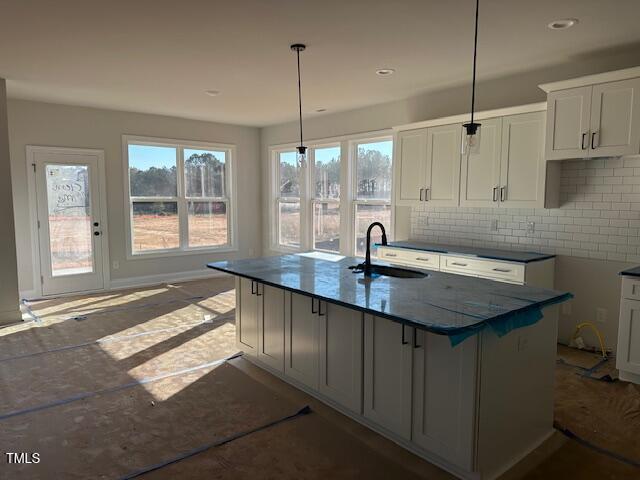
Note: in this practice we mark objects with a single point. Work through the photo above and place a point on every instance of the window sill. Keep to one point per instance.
(180, 253)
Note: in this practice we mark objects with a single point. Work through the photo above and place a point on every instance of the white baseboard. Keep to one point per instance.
(27, 294)
(150, 280)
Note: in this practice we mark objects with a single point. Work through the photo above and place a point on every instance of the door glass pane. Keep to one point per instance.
(152, 171)
(289, 174)
(326, 226)
(365, 216)
(289, 223)
(327, 172)
(373, 170)
(208, 224)
(155, 226)
(69, 205)
(204, 173)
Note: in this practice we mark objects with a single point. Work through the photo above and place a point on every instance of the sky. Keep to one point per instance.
(143, 157)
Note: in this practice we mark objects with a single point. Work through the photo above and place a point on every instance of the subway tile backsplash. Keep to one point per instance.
(599, 216)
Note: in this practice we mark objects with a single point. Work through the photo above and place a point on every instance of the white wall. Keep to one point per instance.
(35, 123)
(9, 300)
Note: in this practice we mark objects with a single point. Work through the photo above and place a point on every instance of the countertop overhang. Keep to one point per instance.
(442, 303)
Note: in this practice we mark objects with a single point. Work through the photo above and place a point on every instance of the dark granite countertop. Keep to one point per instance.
(632, 272)
(441, 302)
(489, 253)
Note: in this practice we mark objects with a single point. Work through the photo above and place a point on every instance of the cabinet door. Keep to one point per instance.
(247, 313)
(443, 165)
(341, 355)
(568, 114)
(411, 155)
(615, 118)
(628, 354)
(271, 327)
(481, 167)
(444, 397)
(522, 164)
(301, 340)
(387, 375)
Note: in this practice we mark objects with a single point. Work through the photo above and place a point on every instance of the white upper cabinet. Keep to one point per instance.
(522, 163)
(480, 176)
(411, 151)
(428, 166)
(568, 123)
(594, 117)
(615, 118)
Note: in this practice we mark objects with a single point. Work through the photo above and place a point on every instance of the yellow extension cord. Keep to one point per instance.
(596, 331)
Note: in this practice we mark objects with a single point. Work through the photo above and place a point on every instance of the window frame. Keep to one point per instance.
(315, 200)
(181, 198)
(347, 201)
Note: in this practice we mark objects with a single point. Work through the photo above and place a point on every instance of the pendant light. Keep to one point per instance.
(472, 138)
(302, 150)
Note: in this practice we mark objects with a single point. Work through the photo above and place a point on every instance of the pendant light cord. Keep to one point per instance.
(299, 95)
(475, 54)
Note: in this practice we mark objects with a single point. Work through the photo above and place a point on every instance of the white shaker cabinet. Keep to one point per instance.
(387, 374)
(444, 397)
(247, 313)
(595, 120)
(522, 163)
(628, 352)
(271, 326)
(480, 176)
(340, 349)
(428, 170)
(301, 340)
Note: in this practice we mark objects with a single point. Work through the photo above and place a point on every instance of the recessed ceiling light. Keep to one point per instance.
(320, 110)
(385, 72)
(212, 93)
(563, 23)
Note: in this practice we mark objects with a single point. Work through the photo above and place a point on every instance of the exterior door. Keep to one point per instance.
(615, 119)
(69, 220)
(568, 117)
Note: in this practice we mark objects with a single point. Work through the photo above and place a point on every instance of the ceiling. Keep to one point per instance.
(159, 56)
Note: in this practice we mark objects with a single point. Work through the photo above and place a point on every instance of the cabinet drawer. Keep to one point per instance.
(630, 288)
(492, 269)
(414, 258)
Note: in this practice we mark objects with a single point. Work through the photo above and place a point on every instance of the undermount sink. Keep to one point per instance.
(389, 271)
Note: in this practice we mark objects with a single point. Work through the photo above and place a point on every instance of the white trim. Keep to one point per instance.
(321, 142)
(31, 150)
(181, 200)
(499, 112)
(158, 279)
(625, 74)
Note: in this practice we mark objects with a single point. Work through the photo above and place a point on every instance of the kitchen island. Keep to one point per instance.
(459, 370)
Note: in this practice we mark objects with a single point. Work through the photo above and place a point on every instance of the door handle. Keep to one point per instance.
(404, 342)
(415, 338)
(584, 136)
(320, 309)
(252, 288)
(501, 270)
(422, 259)
(459, 264)
(503, 194)
(421, 190)
(313, 306)
(495, 194)
(258, 289)
(593, 141)
(426, 194)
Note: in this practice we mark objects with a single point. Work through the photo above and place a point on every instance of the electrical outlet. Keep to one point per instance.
(601, 315)
(494, 225)
(566, 308)
(531, 227)
(116, 264)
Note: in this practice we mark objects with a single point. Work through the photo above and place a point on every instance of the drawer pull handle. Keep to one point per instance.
(503, 270)
(422, 259)
(459, 264)
(391, 255)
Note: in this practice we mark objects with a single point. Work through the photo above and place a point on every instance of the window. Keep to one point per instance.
(178, 196)
(312, 202)
(373, 182)
(326, 198)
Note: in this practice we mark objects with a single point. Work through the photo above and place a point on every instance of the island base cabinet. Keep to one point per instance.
(444, 397)
(387, 374)
(247, 312)
(271, 327)
(340, 348)
(301, 339)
